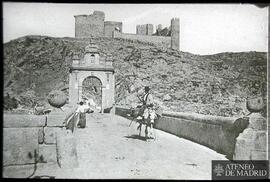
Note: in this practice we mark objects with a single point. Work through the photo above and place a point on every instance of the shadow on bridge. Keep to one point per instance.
(136, 137)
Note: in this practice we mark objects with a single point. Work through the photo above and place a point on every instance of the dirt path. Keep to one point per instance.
(108, 148)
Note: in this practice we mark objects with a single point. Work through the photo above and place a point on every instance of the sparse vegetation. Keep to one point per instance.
(214, 84)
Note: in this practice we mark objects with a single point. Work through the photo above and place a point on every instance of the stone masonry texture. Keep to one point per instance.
(251, 144)
(48, 152)
(22, 120)
(89, 25)
(175, 34)
(110, 26)
(19, 145)
(146, 29)
(50, 134)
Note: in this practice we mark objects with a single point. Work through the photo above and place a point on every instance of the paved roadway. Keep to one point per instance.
(109, 148)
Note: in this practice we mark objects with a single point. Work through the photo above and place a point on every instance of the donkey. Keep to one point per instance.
(137, 115)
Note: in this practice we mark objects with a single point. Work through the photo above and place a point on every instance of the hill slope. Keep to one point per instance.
(214, 84)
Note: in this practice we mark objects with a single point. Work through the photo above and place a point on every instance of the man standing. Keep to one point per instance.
(81, 115)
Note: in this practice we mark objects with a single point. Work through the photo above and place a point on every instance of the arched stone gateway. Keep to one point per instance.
(94, 72)
(92, 88)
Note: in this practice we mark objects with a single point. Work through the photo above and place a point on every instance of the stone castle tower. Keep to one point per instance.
(95, 25)
(89, 25)
(111, 26)
(175, 33)
(147, 29)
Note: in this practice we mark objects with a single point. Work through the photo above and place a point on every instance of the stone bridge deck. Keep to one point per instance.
(109, 148)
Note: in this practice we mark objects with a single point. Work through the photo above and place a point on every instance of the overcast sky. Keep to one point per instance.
(204, 28)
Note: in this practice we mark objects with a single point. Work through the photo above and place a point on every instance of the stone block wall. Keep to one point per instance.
(147, 29)
(110, 26)
(19, 145)
(144, 33)
(25, 135)
(22, 134)
(150, 29)
(89, 25)
(251, 144)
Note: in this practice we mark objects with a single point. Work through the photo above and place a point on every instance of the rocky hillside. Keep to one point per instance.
(214, 84)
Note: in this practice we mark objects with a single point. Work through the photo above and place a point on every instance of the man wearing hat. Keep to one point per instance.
(149, 112)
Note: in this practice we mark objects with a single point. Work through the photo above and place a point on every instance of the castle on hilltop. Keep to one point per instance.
(94, 25)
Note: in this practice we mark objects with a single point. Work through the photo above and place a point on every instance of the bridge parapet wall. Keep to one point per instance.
(218, 133)
(25, 136)
(251, 144)
(215, 132)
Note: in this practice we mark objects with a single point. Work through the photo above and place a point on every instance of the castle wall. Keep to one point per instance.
(89, 25)
(147, 29)
(94, 25)
(139, 30)
(109, 27)
(144, 34)
(158, 40)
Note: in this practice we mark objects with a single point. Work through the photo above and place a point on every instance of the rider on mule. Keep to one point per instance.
(148, 114)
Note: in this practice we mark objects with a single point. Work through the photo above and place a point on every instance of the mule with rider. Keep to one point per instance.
(145, 114)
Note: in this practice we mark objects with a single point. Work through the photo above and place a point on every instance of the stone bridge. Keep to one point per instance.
(185, 145)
